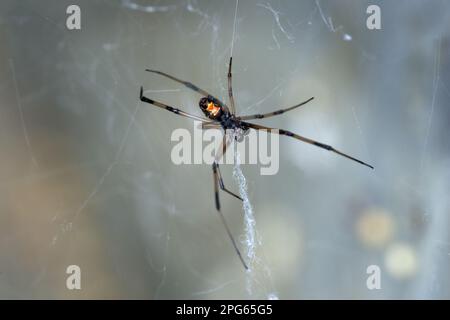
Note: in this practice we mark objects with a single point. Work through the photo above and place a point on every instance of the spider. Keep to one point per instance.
(223, 116)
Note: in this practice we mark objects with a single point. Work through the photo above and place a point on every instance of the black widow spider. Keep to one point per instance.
(222, 116)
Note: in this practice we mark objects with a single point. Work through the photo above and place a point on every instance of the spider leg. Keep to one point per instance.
(230, 88)
(221, 152)
(222, 186)
(224, 222)
(274, 113)
(189, 85)
(209, 125)
(218, 183)
(307, 140)
(167, 107)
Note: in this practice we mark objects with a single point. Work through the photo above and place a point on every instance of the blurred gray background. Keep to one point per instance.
(85, 170)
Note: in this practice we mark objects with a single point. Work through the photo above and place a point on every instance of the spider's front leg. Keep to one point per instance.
(230, 88)
(167, 107)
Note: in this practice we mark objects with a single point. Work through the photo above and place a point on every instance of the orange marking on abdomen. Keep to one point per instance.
(213, 109)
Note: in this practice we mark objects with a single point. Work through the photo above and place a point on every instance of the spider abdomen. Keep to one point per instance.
(211, 108)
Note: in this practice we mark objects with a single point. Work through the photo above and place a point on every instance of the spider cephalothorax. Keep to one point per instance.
(230, 121)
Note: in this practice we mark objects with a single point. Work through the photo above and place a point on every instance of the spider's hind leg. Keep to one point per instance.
(222, 217)
(216, 170)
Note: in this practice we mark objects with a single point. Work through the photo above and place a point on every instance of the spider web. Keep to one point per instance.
(86, 174)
